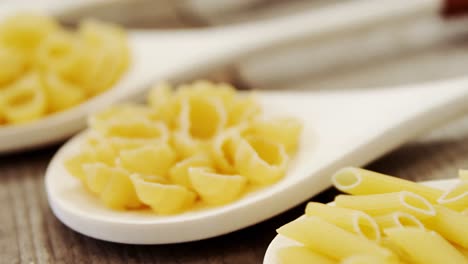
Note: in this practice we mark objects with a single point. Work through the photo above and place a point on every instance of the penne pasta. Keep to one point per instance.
(398, 219)
(351, 220)
(302, 255)
(450, 224)
(455, 198)
(332, 241)
(424, 247)
(382, 204)
(358, 181)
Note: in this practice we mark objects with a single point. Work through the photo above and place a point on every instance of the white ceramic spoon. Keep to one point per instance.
(162, 55)
(271, 255)
(340, 129)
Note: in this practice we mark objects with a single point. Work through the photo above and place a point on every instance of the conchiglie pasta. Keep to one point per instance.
(260, 160)
(163, 198)
(191, 146)
(72, 65)
(285, 131)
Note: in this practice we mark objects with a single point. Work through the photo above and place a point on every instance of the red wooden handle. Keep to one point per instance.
(455, 7)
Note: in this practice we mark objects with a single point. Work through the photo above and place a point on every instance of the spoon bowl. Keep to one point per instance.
(340, 129)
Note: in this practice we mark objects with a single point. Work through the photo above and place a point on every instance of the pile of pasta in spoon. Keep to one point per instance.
(45, 68)
(382, 220)
(200, 144)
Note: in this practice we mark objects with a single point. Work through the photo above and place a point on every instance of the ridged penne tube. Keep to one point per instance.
(302, 255)
(455, 198)
(332, 241)
(463, 175)
(424, 247)
(366, 259)
(148, 160)
(260, 160)
(360, 181)
(201, 117)
(163, 198)
(348, 219)
(398, 219)
(179, 173)
(286, 131)
(24, 100)
(215, 188)
(450, 224)
(382, 204)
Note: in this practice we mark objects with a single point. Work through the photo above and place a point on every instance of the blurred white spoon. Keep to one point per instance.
(158, 55)
(271, 255)
(340, 129)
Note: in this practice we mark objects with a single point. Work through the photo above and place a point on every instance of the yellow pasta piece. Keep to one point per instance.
(101, 151)
(456, 198)
(118, 192)
(260, 160)
(381, 204)
(163, 198)
(201, 88)
(302, 255)
(223, 149)
(24, 100)
(450, 224)
(25, 31)
(398, 219)
(330, 240)
(61, 94)
(149, 160)
(114, 113)
(215, 188)
(136, 129)
(285, 131)
(242, 110)
(359, 181)
(12, 65)
(424, 247)
(161, 100)
(201, 117)
(351, 220)
(96, 176)
(59, 52)
(109, 54)
(179, 174)
(74, 164)
(187, 146)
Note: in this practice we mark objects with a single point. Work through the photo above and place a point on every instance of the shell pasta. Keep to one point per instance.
(45, 68)
(199, 145)
(416, 224)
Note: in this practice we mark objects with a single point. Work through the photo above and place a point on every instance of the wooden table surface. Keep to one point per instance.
(30, 233)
